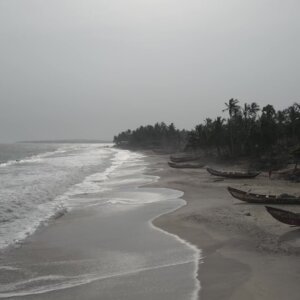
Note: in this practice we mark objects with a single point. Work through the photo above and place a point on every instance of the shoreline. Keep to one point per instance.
(105, 245)
(237, 251)
(246, 253)
(195, 248)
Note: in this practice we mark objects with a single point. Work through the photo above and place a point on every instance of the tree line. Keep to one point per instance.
(247, 131)
(160, 135)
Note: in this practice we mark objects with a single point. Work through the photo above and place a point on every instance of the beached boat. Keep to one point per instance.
(183, 158)
(185, 165)
(263, 199)
(284, 216)
(237, 175)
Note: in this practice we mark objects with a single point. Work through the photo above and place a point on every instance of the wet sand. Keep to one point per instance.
(106, 248)
(246, 253)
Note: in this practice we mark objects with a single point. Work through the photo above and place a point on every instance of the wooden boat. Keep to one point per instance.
(237, 175)
(185, 165)
(183, 158)
(284, 216)
(266, 199)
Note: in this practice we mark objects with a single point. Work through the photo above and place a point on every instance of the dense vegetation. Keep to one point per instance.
(158, 136)
(248, 131)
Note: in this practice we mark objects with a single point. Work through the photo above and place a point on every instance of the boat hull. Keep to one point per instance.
(234, 175)
(262, 199)
(284, 216)
(183, 158)
(185, 165)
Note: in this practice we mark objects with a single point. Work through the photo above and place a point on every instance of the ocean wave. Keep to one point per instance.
(70, 177)
(34, 194)
(121, 190)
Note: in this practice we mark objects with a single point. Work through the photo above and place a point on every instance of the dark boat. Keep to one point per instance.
(284, 216)
(266, 199)
(183, 158)
(237, 175)
(185, 165)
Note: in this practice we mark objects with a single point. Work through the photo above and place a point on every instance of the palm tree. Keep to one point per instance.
(254, 109)
(233, 109)
(218, 133)
(250, 113)
(293, 113)
(246, 111)
(268, 126)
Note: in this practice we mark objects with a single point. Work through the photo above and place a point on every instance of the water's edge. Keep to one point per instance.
(176, 195)
(198, 253)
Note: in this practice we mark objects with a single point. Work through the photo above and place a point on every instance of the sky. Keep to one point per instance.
(92, 68)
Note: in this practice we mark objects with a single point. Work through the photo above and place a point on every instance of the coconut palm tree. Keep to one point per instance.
(218, 133)
(233, 109)
(293, 114)
(254, 109)
(249, 116)
(268, 126)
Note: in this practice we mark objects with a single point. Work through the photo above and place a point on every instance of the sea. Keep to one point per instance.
(90, 204)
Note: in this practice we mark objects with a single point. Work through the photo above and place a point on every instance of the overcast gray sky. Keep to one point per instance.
(91, 68)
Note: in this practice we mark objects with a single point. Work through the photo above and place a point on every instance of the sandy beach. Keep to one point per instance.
(246, 253)
(113, 245)
(105, 246)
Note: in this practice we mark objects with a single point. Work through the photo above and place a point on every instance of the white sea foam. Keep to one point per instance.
(33, 159)
(124, 169)
(197, 252)
(57, 282)
(36, 189)
(113, 176)
(45, 186)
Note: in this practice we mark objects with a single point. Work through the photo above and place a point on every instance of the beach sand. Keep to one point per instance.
(106, 247)
(246, 253)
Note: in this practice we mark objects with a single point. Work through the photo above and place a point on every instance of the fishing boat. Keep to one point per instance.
(284, 216)
(185, 165)
(235, 175)
(183, 158)
(260, 198)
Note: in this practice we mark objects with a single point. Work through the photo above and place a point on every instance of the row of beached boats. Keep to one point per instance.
(281, 215)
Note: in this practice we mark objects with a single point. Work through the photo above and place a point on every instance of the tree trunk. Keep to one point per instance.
(231, 141)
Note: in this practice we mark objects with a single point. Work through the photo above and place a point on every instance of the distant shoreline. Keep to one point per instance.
(67, 141)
